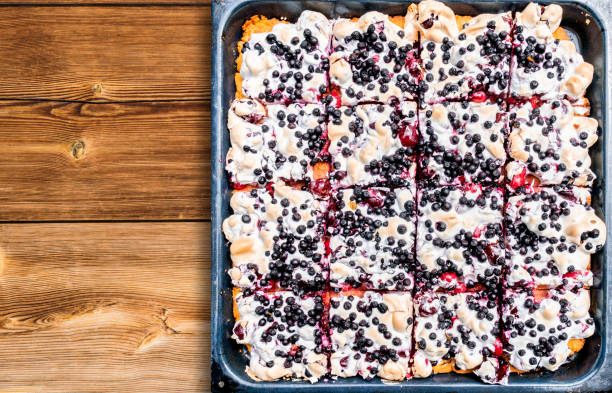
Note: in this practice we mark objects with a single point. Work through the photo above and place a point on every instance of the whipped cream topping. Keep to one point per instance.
(462, 142)
(538, 329)
(274, 143)
(276, 239)
(493, 370)
(372, 239)
(459, 237)
(284, 333)
(472, 61)
(543, 65)
(374, 59)
(371, 335)
(550, 237)
(460, 328)
(290, 63)
(372, 144)
(550, 142)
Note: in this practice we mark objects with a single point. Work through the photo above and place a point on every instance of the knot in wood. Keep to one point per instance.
(97, 89)
(77, 149)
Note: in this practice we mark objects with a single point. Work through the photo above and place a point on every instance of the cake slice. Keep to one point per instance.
(459, 238)
(375, 58)
(282, 62)
(371, 334)
(545, 62)
(372, 233)
(549, 144)
(543, 328)
(276, 240)
(550, 237)
(463, 58)
(373, 144)
(462, 142)
(285, 334)
(457, 332)
(274, 143)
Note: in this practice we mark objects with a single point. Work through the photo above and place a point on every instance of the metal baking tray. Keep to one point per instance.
(588, 23)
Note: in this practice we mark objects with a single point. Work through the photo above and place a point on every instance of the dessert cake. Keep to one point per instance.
(373, 144)
(411, 195)
(286, 334)
(276, 240)
(545, 62)
(462, 142)
(371, 334)
(374, 59)
(550, 236)
(284, 62)
(549, 144)
(274, 143)
(371, 238)
(459, 238)
(543, 328)
(463, 58)
(456, 332)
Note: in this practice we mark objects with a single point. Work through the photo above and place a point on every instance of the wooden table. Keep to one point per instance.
(105, 196)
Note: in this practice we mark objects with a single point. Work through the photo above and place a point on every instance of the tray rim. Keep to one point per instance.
(599, 377)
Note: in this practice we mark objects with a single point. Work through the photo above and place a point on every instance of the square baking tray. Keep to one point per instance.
(588, 23)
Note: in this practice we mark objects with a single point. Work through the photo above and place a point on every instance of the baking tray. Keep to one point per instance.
(588, 23)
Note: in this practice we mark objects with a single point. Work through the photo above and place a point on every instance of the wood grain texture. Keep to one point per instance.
(105, 307)
(108, 2)
(101, 53)
(96, 307)
(119, 161)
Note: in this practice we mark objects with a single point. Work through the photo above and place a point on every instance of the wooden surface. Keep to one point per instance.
(105, 53)
(105, 123)
(67, 161)
(118, 307)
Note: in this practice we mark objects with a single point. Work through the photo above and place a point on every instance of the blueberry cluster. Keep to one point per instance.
(365, 68)
(287, 83)
(372, 239)
(533, 56)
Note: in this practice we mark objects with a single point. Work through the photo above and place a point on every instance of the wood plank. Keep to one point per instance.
(101, 53)
(105, 307)
(107, 2)
(118, 161)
